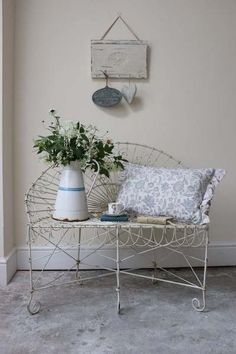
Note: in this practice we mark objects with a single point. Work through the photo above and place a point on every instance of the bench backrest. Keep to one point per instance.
(41, 196)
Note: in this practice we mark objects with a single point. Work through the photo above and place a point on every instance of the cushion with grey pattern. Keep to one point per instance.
(181, 193)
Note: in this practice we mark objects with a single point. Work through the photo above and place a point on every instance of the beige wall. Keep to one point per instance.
(8, 111)
(187, 107)
(1, 146)
(6, 122)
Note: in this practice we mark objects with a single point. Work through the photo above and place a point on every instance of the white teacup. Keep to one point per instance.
(115, 208)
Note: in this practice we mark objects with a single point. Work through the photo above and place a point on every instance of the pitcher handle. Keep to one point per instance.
(95, 178)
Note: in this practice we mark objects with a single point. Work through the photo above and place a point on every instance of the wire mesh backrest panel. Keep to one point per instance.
(146, 155)
(41, 197)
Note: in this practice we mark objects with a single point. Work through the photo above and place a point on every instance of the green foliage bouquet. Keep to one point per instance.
(70, 141)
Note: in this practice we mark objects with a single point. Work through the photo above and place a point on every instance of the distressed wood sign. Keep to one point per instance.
(119, 58)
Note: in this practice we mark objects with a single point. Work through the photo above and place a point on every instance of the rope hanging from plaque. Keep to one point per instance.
(107, 96)
(119, 17)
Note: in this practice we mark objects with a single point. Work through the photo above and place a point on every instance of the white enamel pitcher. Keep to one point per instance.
(71, 201)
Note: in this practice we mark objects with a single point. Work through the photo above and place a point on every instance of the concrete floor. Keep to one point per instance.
(155, 319)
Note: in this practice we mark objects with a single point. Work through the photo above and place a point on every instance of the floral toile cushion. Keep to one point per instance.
(184, 194)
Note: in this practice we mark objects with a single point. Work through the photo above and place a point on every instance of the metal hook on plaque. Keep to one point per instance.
(107, 96)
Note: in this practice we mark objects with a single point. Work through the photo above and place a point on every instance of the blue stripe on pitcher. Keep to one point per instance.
(76, 189)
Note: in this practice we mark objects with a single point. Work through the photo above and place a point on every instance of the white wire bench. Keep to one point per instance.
(150, 244)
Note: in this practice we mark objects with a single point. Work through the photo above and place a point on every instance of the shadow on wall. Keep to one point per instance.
(123, 109)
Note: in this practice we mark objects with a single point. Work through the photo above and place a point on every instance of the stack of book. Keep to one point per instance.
(114, 218)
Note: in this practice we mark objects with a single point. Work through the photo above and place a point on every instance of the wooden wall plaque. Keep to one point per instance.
(119, 58)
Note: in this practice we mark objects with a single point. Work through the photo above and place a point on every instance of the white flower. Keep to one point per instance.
(68, 129)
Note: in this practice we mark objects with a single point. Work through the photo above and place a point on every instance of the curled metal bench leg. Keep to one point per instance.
(196, 303)
(77, 273)
(33, 307)
(118, 270)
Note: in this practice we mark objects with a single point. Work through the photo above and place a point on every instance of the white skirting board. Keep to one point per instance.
(8, 267)
(219, 254)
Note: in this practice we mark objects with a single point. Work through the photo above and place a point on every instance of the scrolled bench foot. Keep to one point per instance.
(197, 305)
(33, 307)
